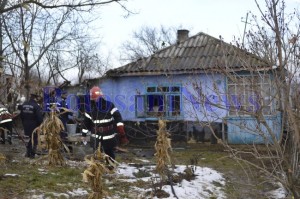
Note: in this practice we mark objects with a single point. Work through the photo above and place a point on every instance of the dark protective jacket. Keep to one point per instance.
(102, 120)
(31, 116)
(6, 119)
(5, 116)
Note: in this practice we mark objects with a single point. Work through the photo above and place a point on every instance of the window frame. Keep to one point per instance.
(164, 98)
(241, 102)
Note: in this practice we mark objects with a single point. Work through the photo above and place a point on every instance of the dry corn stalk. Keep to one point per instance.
(162, 147)
(49, 136)
(97, 167)
(2, 158)
(4, 130)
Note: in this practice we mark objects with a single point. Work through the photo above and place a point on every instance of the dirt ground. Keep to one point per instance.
(239, 184)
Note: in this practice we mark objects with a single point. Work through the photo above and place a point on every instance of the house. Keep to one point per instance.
(199, 85)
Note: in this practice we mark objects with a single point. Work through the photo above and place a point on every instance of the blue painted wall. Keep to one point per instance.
(195, 107)
(247, 130)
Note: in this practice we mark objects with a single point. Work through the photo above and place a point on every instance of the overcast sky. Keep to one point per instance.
(214, 17)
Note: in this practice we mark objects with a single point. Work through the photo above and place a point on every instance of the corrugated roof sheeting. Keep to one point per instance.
(196, 41)
(199, 52)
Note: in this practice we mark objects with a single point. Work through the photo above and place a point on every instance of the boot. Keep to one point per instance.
(2, 138)
(9, 140)
(28, 152)
(33, 151)
(32, 156)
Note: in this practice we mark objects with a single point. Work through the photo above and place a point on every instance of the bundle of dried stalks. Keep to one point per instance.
(2, 158)
(162, 147)
(49, 136)
(98, 165)
(4, 130)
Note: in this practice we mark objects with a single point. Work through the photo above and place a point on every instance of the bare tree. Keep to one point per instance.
(87, 60)
(30, 30)
(147, 41)
(283, 30)
(6, 6)
(31, 33)
(259, 101)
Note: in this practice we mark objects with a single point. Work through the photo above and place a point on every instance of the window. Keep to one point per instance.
(248, 94)
(175, 89)
(163, 89)
(151, 89)
(159, 101)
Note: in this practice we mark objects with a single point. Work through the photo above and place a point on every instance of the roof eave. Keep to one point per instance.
(179, 72)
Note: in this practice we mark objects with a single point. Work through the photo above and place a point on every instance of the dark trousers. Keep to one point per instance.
(107, 146)
(31, 147)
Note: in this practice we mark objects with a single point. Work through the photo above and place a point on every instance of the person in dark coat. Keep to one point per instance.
(104, 121)
(65, 114)
(6, 119)
(32, 116)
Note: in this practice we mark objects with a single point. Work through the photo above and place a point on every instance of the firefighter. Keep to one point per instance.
(6, 119)
(32, 116)
(104, 121)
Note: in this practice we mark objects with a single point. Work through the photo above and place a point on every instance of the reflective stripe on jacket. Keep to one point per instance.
(103, 115)
(5, 116)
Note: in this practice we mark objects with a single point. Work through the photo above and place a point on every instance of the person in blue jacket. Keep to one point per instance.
(32, 116)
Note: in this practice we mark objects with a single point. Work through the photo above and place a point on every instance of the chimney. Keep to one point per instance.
(182, 35)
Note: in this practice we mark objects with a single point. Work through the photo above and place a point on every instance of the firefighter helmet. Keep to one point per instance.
(95, 93)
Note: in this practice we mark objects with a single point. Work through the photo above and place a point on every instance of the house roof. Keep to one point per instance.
(199, 53)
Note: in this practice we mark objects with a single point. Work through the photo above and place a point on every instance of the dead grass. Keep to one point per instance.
(45, 179)
(38, 178)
